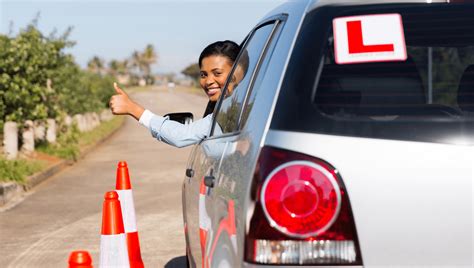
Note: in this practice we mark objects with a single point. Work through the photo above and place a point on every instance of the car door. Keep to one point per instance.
(204, 163)
(187, 193)
(215, 193)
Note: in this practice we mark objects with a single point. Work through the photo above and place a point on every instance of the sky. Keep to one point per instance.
(178, 29)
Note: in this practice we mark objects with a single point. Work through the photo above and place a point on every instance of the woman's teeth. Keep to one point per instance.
(213, 91)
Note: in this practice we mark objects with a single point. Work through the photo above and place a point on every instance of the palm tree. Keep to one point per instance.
(124, 67)
(96, 65)
(142, 61)
(114, 66)
(149, 57)
(137, 61)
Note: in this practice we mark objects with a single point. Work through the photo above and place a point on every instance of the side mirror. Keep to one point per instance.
(183, 118)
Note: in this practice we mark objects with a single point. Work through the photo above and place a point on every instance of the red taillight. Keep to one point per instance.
(302, 213)
(301, 198)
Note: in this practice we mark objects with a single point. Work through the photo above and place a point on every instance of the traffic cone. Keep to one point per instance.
(124, 189)
(80, 259)
(113, 245)
(204, 223)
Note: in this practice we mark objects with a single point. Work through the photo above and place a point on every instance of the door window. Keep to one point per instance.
(240, 81)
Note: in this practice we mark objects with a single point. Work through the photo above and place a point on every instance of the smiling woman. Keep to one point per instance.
(213, 80)
(215, 64)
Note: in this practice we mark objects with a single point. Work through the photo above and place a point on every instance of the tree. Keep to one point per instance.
(141, 62)
(96, 65)
(192, 71)
(39, 80)
(149, 57)
(113, 67)
(28, 61)
(136, 62)
(123, 67)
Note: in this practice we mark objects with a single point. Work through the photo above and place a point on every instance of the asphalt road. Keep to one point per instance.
(64, 213)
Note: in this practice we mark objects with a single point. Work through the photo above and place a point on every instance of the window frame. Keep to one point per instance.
(278, 22)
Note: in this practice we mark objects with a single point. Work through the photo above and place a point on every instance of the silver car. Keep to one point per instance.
(348, 141)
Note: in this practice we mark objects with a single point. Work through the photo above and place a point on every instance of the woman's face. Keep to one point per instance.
(214, 72)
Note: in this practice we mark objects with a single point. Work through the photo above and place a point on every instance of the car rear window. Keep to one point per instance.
(428, 95)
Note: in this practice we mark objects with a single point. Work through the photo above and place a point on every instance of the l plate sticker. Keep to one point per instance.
(369, 38)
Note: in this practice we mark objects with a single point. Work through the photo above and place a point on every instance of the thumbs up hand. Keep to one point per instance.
(121, 104)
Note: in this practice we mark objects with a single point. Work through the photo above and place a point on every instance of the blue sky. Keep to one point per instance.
(178, 29)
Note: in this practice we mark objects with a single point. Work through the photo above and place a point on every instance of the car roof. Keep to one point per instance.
(313, 4)
(293, 6)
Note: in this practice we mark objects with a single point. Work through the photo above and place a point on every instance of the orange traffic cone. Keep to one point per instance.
(124, 189)
(113, 245)
(80, 259)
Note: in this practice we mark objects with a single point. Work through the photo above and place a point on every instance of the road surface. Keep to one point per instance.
(64, 213)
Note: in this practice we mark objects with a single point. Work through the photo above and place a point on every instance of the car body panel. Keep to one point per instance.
(426, 183)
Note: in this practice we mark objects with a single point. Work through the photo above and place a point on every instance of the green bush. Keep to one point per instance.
(18, 170)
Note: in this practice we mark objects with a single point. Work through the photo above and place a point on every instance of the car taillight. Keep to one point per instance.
(302, 213)
(300, 198)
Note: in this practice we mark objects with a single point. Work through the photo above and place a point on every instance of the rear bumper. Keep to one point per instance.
(251, 265)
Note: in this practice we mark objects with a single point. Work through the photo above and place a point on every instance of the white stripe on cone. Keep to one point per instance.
(113, 251)
(233, 240)
(204, 219)
(128, 210)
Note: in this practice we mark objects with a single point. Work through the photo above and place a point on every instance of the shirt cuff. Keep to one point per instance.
(145, 119)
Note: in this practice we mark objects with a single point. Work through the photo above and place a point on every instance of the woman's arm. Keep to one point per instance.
(161, 128)
(177, 134)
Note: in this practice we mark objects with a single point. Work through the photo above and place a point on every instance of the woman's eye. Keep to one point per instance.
(203, 75)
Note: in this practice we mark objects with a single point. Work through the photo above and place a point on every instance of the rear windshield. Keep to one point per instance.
(428, 95)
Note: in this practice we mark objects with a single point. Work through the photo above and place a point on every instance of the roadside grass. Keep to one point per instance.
(69, 146)
(100, 132)
(71, 142)
(18, 170)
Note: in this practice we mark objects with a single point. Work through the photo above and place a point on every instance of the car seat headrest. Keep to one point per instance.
(466, 90)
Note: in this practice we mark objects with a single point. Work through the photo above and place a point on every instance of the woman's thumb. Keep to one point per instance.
(119, 90)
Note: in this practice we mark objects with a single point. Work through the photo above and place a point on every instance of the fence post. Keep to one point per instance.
(51, 131)
(10, 136)
(40, 130)
(103, 115)
(96, 119)
(90, 121)
(79, 122)
(68, 120)
(28, 137)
